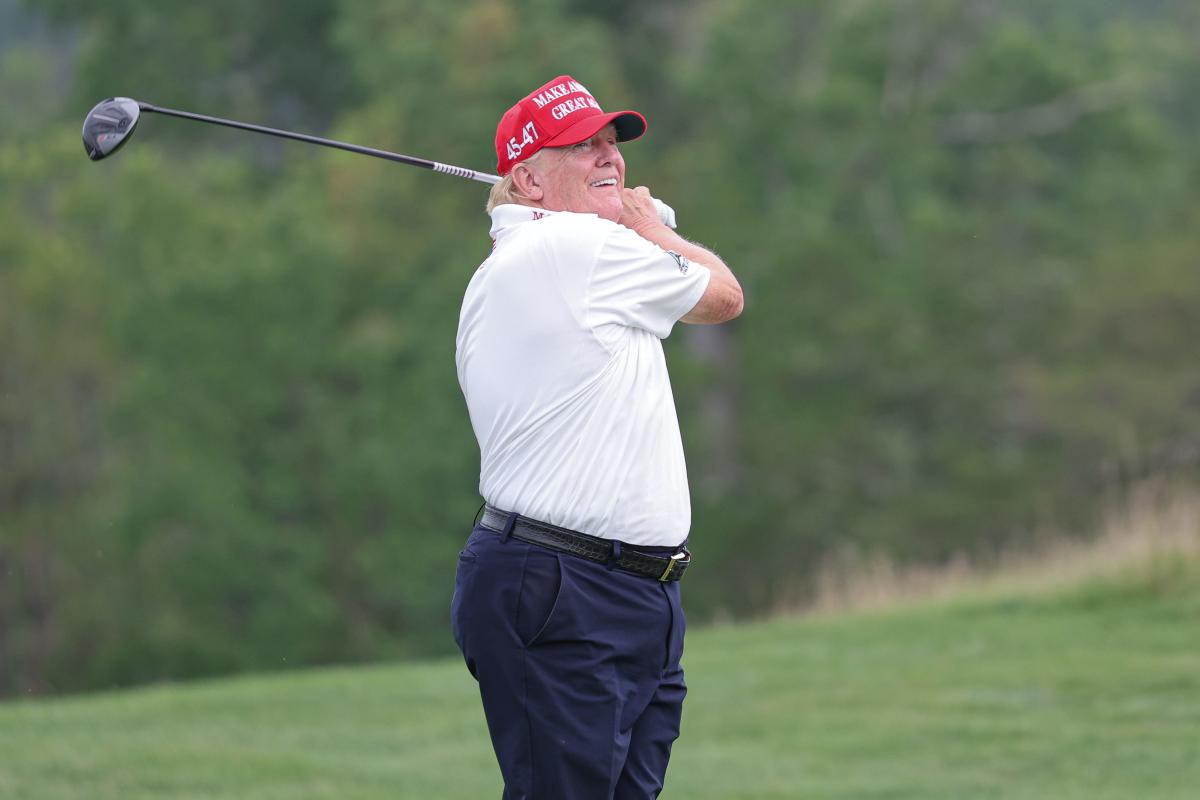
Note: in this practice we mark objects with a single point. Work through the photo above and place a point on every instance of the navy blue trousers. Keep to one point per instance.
(578, 669)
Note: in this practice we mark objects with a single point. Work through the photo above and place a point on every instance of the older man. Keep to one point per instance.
(566, 603)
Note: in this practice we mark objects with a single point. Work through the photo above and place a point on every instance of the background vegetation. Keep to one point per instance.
(231, 436)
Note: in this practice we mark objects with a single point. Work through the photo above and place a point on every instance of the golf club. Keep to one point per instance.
(111, 122)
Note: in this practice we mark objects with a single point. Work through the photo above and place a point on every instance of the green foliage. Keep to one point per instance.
(231, 435)
(229, 58)
(912, 243)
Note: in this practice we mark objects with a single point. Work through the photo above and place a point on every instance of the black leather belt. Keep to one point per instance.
(606, 551)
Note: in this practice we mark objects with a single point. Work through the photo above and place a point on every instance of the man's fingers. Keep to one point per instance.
(640, 207)
(641, 198)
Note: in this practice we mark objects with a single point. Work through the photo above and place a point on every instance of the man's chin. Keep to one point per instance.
(610, 211)
(604, 207)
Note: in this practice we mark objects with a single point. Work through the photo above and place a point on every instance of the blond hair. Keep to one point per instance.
(506, 190)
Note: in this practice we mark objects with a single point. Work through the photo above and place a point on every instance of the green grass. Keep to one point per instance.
(1087, 691)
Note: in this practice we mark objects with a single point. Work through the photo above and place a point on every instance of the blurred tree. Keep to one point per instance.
(266, 61)
(231, 435)
(931, 191)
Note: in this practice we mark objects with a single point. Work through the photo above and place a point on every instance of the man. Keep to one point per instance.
(566, 603)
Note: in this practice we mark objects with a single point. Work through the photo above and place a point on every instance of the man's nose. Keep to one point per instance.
(607, 154)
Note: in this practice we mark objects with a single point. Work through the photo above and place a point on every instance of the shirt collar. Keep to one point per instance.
(509, 215)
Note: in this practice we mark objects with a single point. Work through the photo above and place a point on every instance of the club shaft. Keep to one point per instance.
(436, 166)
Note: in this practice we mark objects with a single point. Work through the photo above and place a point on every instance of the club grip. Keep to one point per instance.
(462, 172)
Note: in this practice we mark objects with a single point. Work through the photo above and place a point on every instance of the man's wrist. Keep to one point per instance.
(652, 230)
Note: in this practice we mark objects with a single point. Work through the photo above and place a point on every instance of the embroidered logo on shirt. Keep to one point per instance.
(681, 260)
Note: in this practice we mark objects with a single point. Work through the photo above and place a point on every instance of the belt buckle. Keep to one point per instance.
(678, 558)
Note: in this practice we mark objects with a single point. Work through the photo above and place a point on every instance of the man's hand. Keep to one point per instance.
(722, 299)
(638, 212)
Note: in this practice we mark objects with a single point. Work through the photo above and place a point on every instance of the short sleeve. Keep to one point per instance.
(638, 284)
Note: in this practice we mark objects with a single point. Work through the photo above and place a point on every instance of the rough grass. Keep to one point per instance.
(1083, 685)
(1154, 520)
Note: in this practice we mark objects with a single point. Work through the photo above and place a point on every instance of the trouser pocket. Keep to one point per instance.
(541, 586)
(462, 578)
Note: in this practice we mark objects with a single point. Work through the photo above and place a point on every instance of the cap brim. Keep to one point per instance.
(629, 125)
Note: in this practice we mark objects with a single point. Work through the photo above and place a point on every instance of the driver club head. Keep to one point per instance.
(108, 125)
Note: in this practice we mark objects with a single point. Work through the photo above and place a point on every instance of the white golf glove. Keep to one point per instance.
(665, 212)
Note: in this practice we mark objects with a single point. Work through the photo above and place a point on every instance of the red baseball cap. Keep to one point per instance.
(557, 114)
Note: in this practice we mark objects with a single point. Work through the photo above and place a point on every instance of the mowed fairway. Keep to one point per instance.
(1086, 691)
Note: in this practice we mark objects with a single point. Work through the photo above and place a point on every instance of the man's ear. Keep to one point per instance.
(527, 183)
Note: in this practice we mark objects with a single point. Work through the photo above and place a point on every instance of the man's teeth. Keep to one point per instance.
(605, 182)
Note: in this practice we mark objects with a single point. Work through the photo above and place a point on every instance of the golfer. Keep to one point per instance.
(566, 602)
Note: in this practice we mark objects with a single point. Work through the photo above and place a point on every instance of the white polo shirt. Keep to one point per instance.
(560, 360)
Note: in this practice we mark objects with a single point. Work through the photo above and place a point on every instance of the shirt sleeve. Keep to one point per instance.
(638, 284)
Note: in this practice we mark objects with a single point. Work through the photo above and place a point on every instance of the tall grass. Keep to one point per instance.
(1154, 520)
